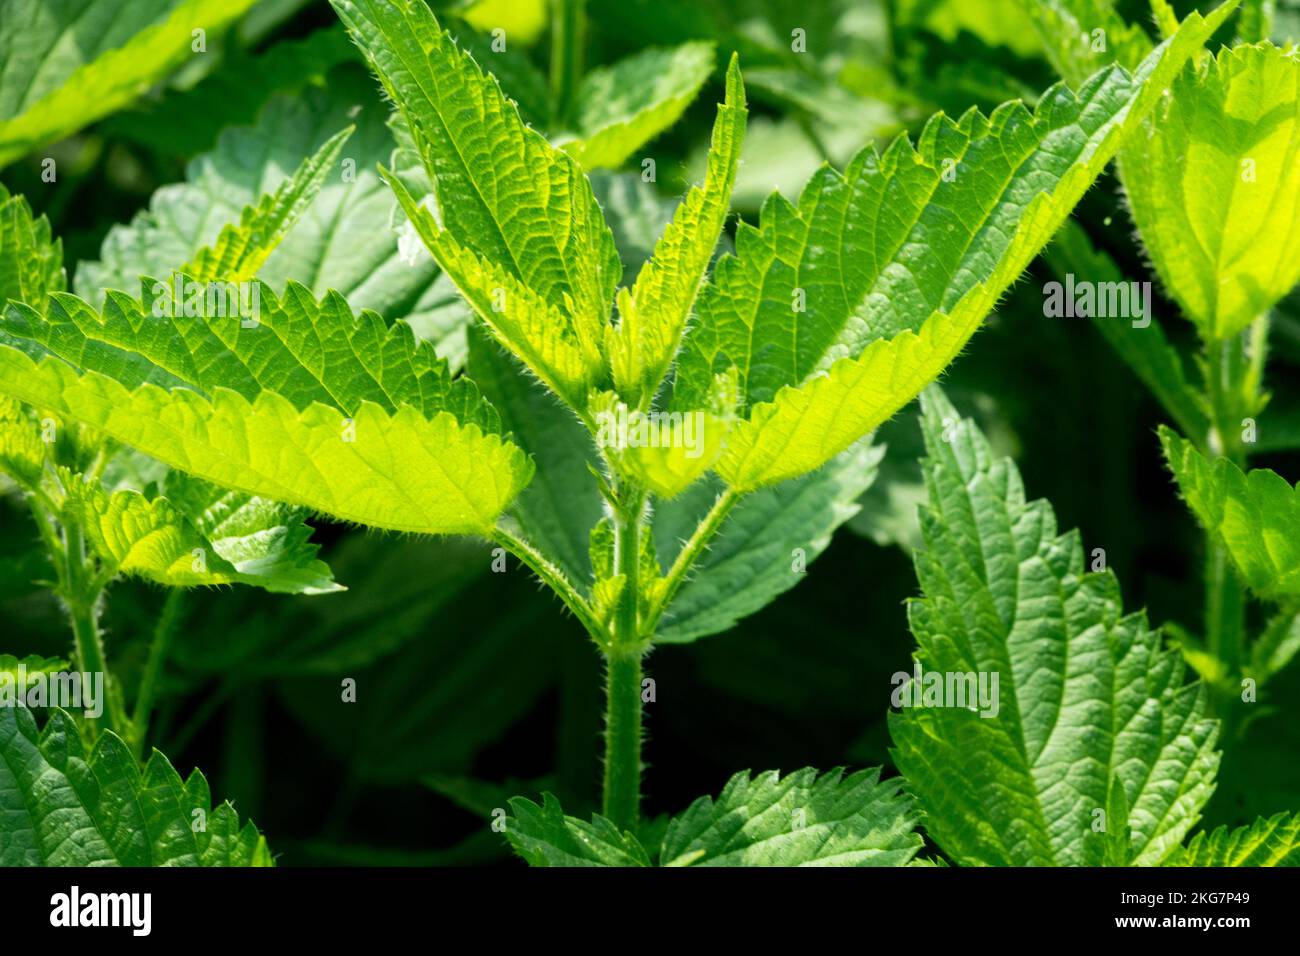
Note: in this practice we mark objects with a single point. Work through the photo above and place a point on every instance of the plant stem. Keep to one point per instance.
(1234, 381)
(622, 791)
(163, 632)
(553, 578)
(81, 595)
(621, 801)
(568, 38)
(690, 553)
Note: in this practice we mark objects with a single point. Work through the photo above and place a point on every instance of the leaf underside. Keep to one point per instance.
(310, 405)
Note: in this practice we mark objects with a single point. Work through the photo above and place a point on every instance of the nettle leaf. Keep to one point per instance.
(837, 311)
(31, 261)
(31, 666)
(22, 453)
(764, 546)
(1089, 712)
(1214, 186)
(519, 317)
(1080, 37)
(251, 162)
(562, 502)
(62, 806)
(653, 313)
(1255, 514)
(637, 213)
(520, 79)
(1276, 646)
(66, 65)
(31, 267)
(998, 23)
(544, 836)
(186, 122)
(620, 108)
(801, 819)
(516, 225)
(523, 20)
(309, 405)
(1271, 842)
(199, 534)
(243, 247)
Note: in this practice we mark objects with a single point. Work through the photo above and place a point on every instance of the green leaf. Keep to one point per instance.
(620, 108)
(1255, 514)
(1277, 645)
(519, 78)
(401, 591)
(667, 451)
(32, 665)
(763, 548)
(653, 313)
(247, 162)
(636, 212)
(562, 503)
(241, 249)
(1215, 184)
(522, 20)
(1082, 36)
(1145, 349)
(513, 213)
(836, 312)
(310, 405)
(539, 333)
(184, 123)
(544, 836)
(197, 535)
(1271, 842)
(31, 262)
(22, 453)
(31, 267)
(63, 806)
(1086, 699)
(68, 64)
(996, 22)
(801, 819)
(1255, 22)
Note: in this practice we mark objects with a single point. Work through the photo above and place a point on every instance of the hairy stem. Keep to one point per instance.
(568, 38)
(1235, 368)
(690, 553)
(163, 632)
(621, 801)
(81, 595)
(554, 579)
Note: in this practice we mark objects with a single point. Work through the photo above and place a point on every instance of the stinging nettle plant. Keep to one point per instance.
(1212, 186)
(104, 511)
(832, 314)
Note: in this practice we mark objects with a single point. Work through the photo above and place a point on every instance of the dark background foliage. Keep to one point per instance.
(473, 685)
